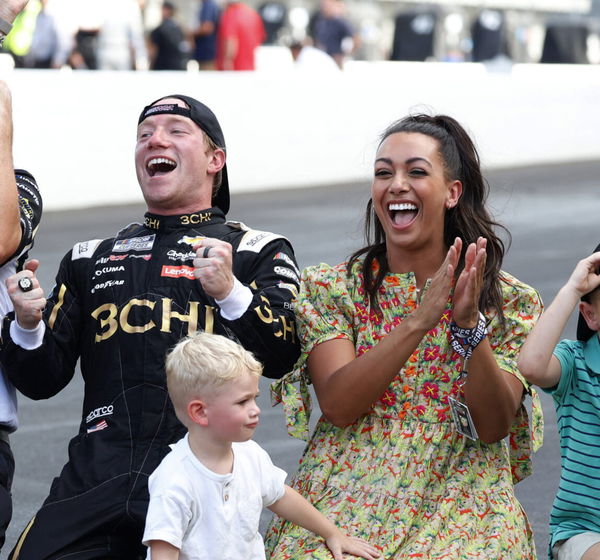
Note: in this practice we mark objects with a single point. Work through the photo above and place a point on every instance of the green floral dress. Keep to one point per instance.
(401, 477)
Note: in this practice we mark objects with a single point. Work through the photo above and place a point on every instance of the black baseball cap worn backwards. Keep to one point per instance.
(207, 121)
(584, 333)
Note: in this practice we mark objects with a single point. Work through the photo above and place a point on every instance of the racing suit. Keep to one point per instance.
(30, 209)
(118, 305)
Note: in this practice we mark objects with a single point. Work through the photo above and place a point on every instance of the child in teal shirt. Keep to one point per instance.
(569, 370)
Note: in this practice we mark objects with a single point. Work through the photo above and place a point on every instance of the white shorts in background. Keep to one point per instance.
(575, 547)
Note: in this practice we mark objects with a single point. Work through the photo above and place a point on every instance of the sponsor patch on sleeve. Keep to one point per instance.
(84, 249)
(255, 240)
(288, 260)
(287, 286)
(287, 272)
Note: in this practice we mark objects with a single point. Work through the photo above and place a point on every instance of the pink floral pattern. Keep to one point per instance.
(400, 476)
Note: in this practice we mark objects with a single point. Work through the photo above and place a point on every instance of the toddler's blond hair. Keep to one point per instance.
(201, 363)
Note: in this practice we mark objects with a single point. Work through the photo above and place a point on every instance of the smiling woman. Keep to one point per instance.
(430, 157)
(411, 194)
(409, 453)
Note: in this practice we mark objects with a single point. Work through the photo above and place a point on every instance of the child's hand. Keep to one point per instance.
(293, 507)
(339, 543)
(585, 277)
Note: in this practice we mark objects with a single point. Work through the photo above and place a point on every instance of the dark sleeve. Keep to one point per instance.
(30, 209)
(312, 25)
(268, 327)
(209, 12)
(44, 371)
(155, 36)
(348, 29)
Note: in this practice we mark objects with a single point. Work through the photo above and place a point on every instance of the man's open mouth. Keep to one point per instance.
(160, 166)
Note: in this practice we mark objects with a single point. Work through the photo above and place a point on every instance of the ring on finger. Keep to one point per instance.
(25, 284)
(205, 252)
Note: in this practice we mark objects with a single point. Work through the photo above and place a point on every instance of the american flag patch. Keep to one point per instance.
(99, 426)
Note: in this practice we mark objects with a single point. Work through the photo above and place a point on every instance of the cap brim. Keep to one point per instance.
(221, 199)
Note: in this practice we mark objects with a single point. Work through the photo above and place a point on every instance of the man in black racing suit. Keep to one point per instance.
(118, 305)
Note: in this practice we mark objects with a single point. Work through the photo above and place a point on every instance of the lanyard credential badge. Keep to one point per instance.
(462, 419)
(464, 341)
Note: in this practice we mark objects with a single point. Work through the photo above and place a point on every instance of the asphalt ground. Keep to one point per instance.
(551, 212)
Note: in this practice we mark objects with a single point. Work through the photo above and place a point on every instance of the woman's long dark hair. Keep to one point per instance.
(469, 219)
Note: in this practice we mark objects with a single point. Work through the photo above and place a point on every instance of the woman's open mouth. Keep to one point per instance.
(402, 213)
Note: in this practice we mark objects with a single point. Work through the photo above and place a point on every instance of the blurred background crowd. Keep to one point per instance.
(226, 35)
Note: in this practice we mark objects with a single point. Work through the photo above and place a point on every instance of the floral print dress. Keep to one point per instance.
(400, 476)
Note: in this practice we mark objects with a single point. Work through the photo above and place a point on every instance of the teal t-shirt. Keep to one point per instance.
(576, 507)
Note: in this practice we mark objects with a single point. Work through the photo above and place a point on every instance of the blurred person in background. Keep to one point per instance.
(121, 41)
(87, 20)
(310, 59)
(168, 47)
(205, 35)
(240, 32)
(18, 41)
(331, 31)
(274, 15)
(98, 34)
(45, 42)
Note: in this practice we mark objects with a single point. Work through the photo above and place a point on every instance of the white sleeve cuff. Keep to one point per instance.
(29, 339)
(236, 303)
